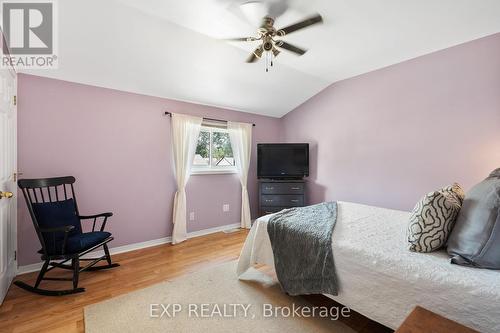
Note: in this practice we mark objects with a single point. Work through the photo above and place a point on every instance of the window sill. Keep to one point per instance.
(195, 172)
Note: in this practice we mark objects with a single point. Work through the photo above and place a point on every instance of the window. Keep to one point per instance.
(213, 152)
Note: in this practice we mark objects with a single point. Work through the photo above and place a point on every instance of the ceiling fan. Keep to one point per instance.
(269, 36)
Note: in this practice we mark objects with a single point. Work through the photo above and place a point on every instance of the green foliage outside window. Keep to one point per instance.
(221, 146)
(203, 147)
(221, 153)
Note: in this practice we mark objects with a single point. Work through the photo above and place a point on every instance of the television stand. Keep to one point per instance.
(278, 194)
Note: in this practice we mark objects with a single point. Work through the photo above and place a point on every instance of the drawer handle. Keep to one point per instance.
(294, 200)
(295, 188)
(269, 188)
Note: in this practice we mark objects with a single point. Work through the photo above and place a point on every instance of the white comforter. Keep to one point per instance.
(381, 279)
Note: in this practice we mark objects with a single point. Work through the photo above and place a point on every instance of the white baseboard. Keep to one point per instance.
(29, 268)
(136, 246)
(208, 231)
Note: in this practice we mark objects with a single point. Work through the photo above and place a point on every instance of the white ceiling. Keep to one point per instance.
(172, 48)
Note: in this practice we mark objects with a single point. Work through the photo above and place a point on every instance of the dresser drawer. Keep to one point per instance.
(281, 188)
(285, 200)
(270, 210)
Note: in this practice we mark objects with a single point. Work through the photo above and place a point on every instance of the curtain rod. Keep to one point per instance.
(212, 119)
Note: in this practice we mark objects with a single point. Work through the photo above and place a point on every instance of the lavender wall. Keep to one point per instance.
(387, 137)
(382, 138)
(117, 145)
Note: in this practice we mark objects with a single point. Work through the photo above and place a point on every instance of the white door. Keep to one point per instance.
(8, 188)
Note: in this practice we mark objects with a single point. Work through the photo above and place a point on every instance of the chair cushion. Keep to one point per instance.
(81, 242)
(57, 214)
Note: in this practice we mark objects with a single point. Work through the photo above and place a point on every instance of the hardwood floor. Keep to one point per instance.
(26, 312)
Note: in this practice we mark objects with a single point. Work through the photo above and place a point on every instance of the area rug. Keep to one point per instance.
(212, 300)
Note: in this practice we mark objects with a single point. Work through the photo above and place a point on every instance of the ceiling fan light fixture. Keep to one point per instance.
(268, 45)
(267, 33)
(258, 52)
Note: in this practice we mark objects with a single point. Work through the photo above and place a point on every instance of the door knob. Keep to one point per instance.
(6, 195)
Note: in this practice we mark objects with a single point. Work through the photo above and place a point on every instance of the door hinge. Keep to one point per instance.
(16, 175)
(15, 255)
(15, 100)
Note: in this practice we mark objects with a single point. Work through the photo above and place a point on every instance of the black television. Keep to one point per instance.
(282, 160)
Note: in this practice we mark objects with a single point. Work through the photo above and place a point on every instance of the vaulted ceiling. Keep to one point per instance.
(173, 48)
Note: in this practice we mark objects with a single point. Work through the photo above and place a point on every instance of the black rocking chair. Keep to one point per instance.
(53, 209)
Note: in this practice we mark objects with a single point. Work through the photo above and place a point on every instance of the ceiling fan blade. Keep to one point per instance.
(241, 39)
(277, 8)
(256, 54)
(290, 47)
(300, 25)
(252, 58)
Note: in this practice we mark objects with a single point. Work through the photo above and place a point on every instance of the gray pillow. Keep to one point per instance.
(475, 239)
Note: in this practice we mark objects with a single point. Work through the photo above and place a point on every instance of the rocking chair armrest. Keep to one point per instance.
(64, 228)
(95, 217)
(88, 217)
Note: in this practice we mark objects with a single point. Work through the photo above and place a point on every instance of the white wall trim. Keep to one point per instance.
(208, 231)
(29, 268)
(137, 246)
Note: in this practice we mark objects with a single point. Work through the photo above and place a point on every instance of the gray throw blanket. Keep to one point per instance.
(301, 239)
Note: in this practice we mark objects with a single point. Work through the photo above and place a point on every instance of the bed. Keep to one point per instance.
(379, 278)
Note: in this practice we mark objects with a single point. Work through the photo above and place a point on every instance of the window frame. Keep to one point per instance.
(211, 170)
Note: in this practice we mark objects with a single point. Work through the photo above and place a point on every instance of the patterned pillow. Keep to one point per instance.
(456, 190)
(432, 219)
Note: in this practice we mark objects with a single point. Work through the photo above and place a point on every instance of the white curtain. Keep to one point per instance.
(185, 132)
(240, 135)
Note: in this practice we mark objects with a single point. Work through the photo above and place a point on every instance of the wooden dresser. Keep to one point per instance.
(275, 195)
